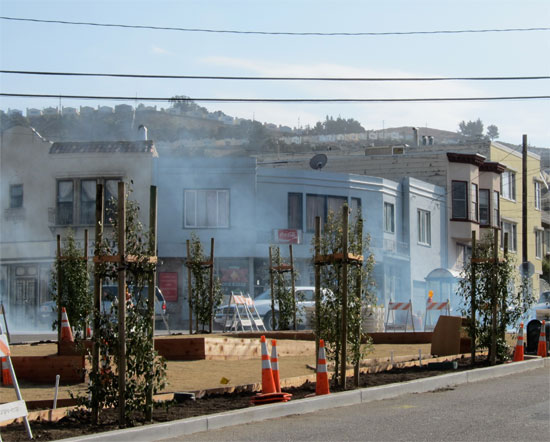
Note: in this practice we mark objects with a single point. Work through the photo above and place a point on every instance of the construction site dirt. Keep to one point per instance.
(78, 422)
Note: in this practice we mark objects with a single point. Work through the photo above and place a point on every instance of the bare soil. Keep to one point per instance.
(79, 423)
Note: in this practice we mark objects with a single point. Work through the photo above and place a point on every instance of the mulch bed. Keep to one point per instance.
(79, 422)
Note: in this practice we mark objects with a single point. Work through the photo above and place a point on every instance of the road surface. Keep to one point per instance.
(510, 408)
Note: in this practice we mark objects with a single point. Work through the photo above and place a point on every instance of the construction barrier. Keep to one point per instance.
(394, 307)
(431, 309)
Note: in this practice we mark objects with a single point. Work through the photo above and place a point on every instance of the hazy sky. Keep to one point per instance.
(70, 48)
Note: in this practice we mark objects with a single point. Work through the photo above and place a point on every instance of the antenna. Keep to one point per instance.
(318, 161)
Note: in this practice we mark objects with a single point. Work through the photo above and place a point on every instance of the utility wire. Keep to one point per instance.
(279, 100)
(316, 34)
(225, 77)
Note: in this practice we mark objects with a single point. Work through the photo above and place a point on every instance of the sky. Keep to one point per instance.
(32, 46)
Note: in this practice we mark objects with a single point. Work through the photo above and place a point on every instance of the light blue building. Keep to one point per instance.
(246, 208)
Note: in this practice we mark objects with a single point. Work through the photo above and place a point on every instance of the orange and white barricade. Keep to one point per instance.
(243, 315)
(397, 307)
(435, 309)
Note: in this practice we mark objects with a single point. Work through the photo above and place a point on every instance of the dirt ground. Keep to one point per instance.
(196, 375)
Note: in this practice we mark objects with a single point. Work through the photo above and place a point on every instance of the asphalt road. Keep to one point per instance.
(510, 408)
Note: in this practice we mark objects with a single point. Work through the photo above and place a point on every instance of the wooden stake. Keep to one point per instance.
(293, 285)
(494, 300)
(503, 306)
(189, 288)
(344, 291)
(59, 282)
(317, 288)
(98, 282)
(358, 289)
(473, 299)
(211, 326)
(122, 304)
(151, 299)
(272, 291)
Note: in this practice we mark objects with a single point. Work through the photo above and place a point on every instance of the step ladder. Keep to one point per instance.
(243, 316)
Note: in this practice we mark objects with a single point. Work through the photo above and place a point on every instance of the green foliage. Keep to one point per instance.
(511, 303)
(336, 126)
(200, 280)
(144, 367)
(492, 132)
(360, 289)
(75, 293)
(472, 129)
(282, 293)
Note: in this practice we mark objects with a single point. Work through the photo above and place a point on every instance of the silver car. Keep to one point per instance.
(305, 307)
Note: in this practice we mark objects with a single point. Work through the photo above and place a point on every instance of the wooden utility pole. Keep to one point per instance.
(98, 282)
(122, 303)
(317, 287)
(151, 299)
(494, 299)
(524, 194)
(344, 293)
(59, 282)
(473, 299)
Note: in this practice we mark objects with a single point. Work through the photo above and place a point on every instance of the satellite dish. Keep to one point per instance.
(318, 161)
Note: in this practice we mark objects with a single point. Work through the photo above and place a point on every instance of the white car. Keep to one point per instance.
(306, 304)
(542, 308)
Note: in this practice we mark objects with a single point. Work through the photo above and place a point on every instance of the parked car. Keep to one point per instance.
(542, 307)
(47, 311)
(305, 306)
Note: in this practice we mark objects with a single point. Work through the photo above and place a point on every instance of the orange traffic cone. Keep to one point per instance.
(518, 352)
(66, 332)
(6, 375)
(322, 375)
(88, 331)
(275, 366)
(268, 386)
(542, 350)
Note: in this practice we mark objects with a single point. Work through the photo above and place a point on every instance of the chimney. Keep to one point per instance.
(142, 130)
(415, 136)
(431, 140)
(424, 140)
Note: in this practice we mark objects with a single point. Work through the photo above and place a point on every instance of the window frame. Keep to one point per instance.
(391, 227)
(538, 195)
(538, 243)
(454, 201)
(508, 185)
(196, 225)
(298, 223)
(495, 214)
(475, 201)
(512, 231)
(310, 221)
(486, 192)
(16, 201)
(424, 230)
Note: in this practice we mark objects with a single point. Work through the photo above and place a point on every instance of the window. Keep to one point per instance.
(321, 206)
(65, 202)
(475, 209)
(484, 208)
(295, 211)
(460, 200)
(511, 230)
(508, 185)
(424, 227)
(464, 254)
(16, 196)
(206, 208)
(355, 208)
(538, 243)
(537, 195)
(76, 200)
(496, 208)
(389, 217)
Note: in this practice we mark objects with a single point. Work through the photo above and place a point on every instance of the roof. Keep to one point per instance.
(142, 146)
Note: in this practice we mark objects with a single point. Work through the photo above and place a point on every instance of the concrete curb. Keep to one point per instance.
(248, 415)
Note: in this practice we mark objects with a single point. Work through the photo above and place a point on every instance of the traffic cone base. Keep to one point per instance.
(6, 375)
(270, 398)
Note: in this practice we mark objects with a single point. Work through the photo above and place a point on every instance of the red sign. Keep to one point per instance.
(168, 284)
(287, 236)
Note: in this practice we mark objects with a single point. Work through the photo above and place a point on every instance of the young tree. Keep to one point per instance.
(495, 291)
(75, 293)
(282, 293)
(331, 284)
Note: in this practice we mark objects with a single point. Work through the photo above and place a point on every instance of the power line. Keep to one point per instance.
(314, 34)
(226, 77)
(279, 100)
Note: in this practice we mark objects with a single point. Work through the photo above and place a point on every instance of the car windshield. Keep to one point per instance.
(544, 297)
